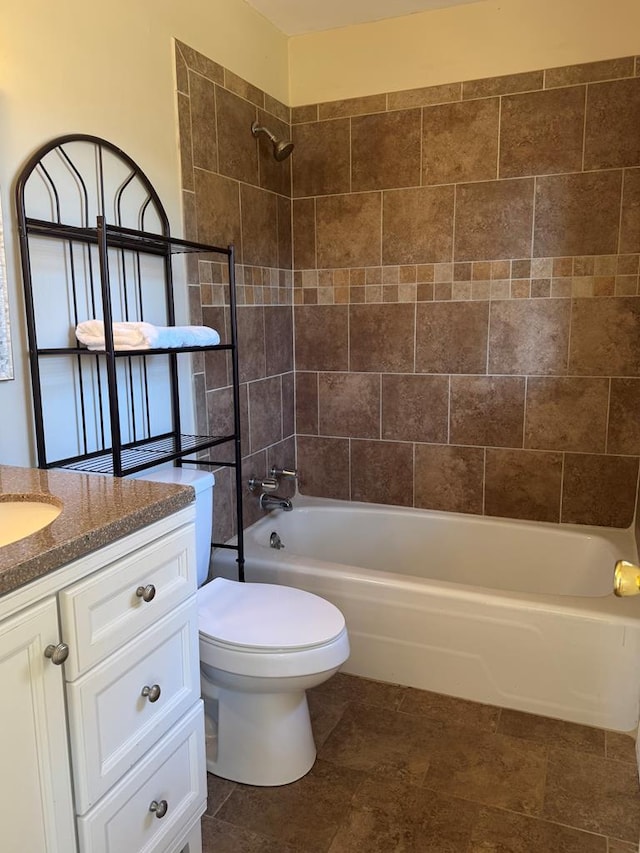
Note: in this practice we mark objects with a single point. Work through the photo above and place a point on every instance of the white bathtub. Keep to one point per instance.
(510, 613)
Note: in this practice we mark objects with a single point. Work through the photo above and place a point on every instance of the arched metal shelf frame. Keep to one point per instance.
(104, 220)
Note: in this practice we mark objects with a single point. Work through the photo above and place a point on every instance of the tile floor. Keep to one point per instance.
(406, 771)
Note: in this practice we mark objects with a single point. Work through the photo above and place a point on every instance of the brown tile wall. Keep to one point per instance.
(467, 318)
(463, 264)
(234, 191)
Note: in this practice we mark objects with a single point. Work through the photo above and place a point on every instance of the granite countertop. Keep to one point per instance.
(96, 510)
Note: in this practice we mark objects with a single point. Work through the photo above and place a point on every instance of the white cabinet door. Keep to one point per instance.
(36, 807)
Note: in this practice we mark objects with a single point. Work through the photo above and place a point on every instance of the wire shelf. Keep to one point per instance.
(120, 238)
(147, 455)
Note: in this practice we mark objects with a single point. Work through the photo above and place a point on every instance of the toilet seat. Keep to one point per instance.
(261, 617)
(269, 631)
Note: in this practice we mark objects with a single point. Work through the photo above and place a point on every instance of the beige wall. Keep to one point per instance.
(461, 43)
(109, 71)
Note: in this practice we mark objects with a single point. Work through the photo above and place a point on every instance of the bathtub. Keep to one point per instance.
(516, 614)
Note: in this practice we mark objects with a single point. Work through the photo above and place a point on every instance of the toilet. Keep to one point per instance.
(261, 647)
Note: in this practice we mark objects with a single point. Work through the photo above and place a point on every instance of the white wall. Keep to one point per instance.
(108, 70)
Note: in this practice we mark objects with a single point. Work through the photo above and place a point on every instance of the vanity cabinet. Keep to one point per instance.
(36, 806)
(130, 742)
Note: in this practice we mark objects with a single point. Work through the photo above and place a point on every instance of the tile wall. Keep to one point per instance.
(464, 276)
(467, 318)
(235, 192)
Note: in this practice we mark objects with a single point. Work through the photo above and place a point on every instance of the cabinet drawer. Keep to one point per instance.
(174, 771)
(104, 611)
(112, 724)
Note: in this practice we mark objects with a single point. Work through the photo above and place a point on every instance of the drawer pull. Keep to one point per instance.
(146, 593)
(160, 808)
(57, 654)
(153, 694)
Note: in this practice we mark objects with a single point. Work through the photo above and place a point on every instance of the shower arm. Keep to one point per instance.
(282, 148)
(256, 129)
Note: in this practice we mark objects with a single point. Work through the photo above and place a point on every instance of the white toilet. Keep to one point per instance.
(261, 647)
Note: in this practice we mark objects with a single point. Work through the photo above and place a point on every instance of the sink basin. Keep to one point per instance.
(22, 518)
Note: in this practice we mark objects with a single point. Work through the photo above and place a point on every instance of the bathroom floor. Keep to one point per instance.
(401, 770)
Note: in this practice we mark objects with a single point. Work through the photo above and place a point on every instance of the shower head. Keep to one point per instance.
(282, 148)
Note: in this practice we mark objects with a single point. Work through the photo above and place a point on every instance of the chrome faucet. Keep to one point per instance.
(283, 473)
(268, 502)
(267, 486)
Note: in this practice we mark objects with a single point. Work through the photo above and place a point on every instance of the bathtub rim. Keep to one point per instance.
(606, 608)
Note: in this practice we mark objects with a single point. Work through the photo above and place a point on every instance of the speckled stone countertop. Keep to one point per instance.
(96, 510)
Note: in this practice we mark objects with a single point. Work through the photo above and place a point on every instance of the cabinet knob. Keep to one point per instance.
(152, 693)
(57, 654)
(146, 593)
(159, 808)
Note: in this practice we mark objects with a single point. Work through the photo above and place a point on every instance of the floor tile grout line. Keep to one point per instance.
(223, 801)
(422, 779)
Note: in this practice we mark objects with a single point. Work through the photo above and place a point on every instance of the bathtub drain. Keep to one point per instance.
(275, 541)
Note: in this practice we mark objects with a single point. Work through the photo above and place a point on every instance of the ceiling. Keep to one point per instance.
(294, 17)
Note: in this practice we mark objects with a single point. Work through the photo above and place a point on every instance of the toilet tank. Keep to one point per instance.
(202, 482)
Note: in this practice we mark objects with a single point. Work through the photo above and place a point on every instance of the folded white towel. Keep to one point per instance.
(141, 336)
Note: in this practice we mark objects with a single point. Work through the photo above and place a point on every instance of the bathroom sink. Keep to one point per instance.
(20, 518)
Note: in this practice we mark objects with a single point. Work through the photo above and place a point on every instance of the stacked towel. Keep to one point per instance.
(141, 336)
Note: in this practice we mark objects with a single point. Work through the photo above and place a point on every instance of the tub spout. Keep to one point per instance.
(271, 501)
(626, 578)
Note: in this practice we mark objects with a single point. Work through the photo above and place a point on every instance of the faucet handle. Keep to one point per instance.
(284, 473)
(268, 484)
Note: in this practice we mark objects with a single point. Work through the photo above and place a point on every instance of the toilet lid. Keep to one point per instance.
(264, 616)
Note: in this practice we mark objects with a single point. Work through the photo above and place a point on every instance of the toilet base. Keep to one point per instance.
(264, 739)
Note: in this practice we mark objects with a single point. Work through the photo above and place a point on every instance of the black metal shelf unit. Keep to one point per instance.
(95, 244)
